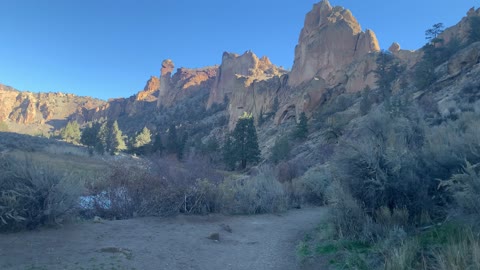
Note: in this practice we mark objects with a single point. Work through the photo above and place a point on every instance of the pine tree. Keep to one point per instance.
(89, 134)
(102, 142)
(246, 141)
(117, 142)
(142, 138)
(301, 131)
(71, 133)
(432, 34)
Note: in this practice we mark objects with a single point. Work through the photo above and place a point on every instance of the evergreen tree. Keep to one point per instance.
(246, 141)
(117, 142)
(228, 153)
(71, 133)
(432, 34)
(301, 131)
(157, 144)
(89, 134)
(142, 138)
(172, 141)
(102, 142)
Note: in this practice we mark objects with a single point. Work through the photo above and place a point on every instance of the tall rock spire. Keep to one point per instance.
(330, 40)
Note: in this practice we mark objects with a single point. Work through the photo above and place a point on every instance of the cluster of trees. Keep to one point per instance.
(104, 137)
(241, 145)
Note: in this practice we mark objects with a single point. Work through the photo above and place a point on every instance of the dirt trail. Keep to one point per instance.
(256, 242)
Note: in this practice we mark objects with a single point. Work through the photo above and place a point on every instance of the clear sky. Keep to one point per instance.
(109, 48)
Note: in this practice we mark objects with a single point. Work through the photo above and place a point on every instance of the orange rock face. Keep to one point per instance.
(234, 66)
(330, 40)
(29, 108)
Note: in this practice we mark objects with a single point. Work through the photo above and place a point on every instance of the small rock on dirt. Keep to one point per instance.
(226, 227)
(97, 219)
(214, 237)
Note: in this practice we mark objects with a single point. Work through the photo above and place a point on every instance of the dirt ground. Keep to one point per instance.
(255, 242)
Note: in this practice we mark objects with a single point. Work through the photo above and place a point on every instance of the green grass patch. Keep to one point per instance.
(326, 249)
(303, 250)
(441, 235)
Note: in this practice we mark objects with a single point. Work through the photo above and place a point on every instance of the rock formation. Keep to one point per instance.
(330, 40)
(461, 30)
(149, 92)
(165, 81)
(246, 67)
(27, 108)
(183, 83)
(248, 82)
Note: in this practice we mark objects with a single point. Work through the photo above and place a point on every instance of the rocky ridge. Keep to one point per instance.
(333, 54)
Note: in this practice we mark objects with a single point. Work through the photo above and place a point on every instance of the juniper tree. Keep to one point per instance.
(301, 130)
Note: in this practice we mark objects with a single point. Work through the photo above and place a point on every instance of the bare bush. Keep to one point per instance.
(312, 186)
(32, 195)
(348, 216)
(261, 193)
(465, 187)
(286, 171)
(163, 188)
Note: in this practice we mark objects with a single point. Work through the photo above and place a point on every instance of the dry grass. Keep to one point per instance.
(32, 194)
(462, 251)
(84, 166)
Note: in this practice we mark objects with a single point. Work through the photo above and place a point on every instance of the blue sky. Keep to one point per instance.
(109, 48)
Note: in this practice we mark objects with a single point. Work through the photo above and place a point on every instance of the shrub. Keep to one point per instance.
(381, 164)
(465, 187)
(348, 216)
(261, 193)
(280, 150)
(286, 171)
(32, 195)
(312, 186)
(168, 189)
